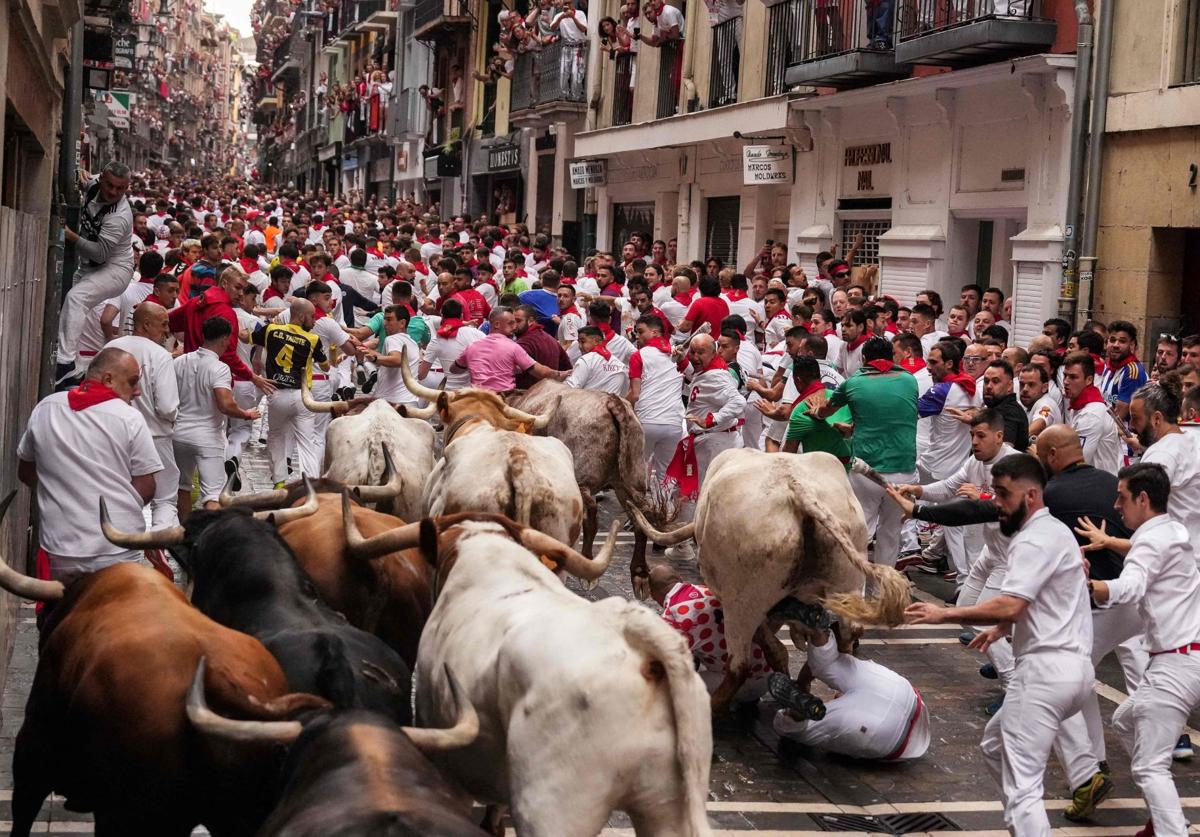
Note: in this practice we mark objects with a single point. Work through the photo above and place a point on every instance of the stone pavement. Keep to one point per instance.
(760, 785)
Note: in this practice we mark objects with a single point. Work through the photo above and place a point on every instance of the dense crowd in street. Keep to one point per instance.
(812, 443)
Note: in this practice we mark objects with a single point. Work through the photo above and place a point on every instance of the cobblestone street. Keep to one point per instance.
(763, 787)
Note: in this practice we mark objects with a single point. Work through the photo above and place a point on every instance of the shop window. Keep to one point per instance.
(629, 218)
(871, 229)
(1188, 63)
(721, 229)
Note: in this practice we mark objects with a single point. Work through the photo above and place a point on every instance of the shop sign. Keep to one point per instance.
(866, 169)
(504, 157)
(124, 49)
(350, 161)
(766, 164)
(117, 102)
(327, 152)
(587, 173)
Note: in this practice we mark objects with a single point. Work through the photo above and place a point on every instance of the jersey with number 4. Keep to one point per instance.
(290, 352)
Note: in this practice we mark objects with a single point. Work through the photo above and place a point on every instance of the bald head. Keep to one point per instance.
(1058, 447)
(150, 321)
(302, 312)
(118, 370)
(662, 579)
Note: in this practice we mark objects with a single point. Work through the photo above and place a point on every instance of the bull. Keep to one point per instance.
(353, 446)
(779, 525)
(355, 772)
(105, 724)
(528, 478)
(559, 682)
(246, 577)
(605, 437)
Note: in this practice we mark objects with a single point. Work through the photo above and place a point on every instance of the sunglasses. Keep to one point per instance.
(841, 274)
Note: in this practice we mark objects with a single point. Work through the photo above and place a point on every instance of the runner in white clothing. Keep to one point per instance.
(1154, 416)
(1045, 605)
(597, 368)
(158, 402)
(245, 393)
(391, 355)
(1159, 574)
(205, 399)
(1089, 415)
(450, 340)
(655, 387)
(1042, 407)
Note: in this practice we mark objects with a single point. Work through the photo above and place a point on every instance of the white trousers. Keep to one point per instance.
(246, 394)
(1116, 629)
(983, 582)
(752, 429)
(291, 422)
(883, 516)
(91, 287)
(1046, 690)
(208, 461)
(164, 508)
(322, 391)
(1149, 723)
(708, 447)
(661, 441)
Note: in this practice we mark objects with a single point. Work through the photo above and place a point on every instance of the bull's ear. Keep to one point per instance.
(443, 405)
(429, 541)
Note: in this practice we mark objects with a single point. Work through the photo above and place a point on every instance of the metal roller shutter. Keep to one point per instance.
(721, 229)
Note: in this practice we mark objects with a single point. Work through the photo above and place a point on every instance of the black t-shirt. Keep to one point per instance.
(1016, 421)
(1084, 491)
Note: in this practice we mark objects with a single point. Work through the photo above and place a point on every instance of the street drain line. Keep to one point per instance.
(885, 823)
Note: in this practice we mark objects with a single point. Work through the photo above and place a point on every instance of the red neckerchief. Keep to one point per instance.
(956, 333)
(248, 265)
(606, 330)
(1101, 366)
(375, 251)
(533, 327)
(155, 300)
(568, 280)
(686, 297)
(318, 313)
(912, 364)
(1090, 395)
(271, 293)
(317, 227)
(421, 268)
(717, 362)
(963, 380)
(603, 352)
(666, 323)
(146, 280)
(881, 365)
(858, 341)
(449, 327)
(684, 469)
(890, 328)
(89, 394)
(611, 289)
(437, 240)
(492, 282)
(782, 314)
(525, 251)
(290, 264)
(520, 274)
(660, 343)
(814, 386)
(734, 295)
(829, 332)
(571, 310)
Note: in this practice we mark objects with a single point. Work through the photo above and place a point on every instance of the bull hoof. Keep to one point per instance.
(641, 587)
(793, 610)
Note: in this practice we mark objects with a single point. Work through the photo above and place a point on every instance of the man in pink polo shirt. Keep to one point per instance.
(495, 361)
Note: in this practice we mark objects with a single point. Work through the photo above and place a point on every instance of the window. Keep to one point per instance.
(1189, 43)
(629, 218)
(721, 229)
(868, 253)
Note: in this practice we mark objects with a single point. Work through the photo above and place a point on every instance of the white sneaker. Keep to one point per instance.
(683, 551)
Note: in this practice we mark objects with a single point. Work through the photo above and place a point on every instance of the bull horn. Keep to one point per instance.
(243, 732)
(393, 483)
(463, 733)
(413, 385)
(320, 406)
(152, 539)
(282, 516)
(674, 536)
(538, 421)
(573, 562)
(393, 540)
(19, 584)
(410, 411)
(271, 499)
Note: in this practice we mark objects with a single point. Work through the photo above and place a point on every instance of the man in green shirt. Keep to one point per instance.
(807, 434)
(513, 282)
(882, 398)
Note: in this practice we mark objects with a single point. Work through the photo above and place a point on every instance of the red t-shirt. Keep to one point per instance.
(475, 307)
(708, 309)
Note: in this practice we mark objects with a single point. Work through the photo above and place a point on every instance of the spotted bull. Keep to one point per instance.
(105, 725)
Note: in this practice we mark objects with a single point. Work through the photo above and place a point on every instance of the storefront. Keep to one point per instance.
(497, 182)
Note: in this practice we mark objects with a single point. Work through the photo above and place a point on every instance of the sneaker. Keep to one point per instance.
(231, 470)
(1087, 796)
(1183, 749)
(993, 707)
(684, 551)
(800, 705)
(361, 374)
(966, 636)
(791, 609)
(1147, 830)
(66, 377)
(932, 565)
(950, 576)
(988, 671)
(280, 485)
(371, 381)
(908, 559)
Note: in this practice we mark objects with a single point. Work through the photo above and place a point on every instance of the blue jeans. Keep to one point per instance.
(879, 22)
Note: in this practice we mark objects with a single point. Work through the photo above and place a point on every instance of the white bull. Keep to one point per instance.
(354, 447)
(585, 708)
(773, 525)
(530, 479)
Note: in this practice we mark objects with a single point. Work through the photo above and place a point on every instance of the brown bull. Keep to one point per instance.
(105, 724)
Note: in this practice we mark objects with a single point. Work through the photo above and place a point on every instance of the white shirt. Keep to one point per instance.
(1102, 445)
(572, 27)
(949, 438)
(327, 328)
(660, 400)
(777, 327)
(131, 298)
(931, 339)
(669, 17)
(592, 371)
(199, 375)
(299, 279)
(587, 285)
(443, 351)
(363, 281)
(1046, 570)
(246, 322)
(620, 348)
(391, 380)
(674, 311)
(1179, 454)
(978, 473)
(158, 401)
(91, 333)
(82, 455)
(1159, 573)
(1048, 408)
(256, 236)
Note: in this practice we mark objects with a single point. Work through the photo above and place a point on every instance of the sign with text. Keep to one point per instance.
(504, 157)
(124, 50)
(764, 165)
(866, 170)
(588, 173)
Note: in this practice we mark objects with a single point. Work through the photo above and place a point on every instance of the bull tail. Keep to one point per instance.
(689, 704)
(892, 589)
(631, 449)
(520, 490)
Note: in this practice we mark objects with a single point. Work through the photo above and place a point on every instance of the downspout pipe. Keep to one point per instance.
(1091, 211)
(1068, 289)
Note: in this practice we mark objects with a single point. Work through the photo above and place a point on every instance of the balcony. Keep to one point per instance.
(726, 60)
(962, 33)
(622, 113)
(784, 23)
(359, 15)
(551, 85)
(434, 18)
(407, 118)
(670, 64)
(841, 46)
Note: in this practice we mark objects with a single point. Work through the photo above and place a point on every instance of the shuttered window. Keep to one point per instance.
(1032, 298)
(721, 229)
(903, 279)
(629, 218)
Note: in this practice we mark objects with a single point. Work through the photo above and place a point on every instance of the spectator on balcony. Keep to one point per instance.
(571, 25)
(726, 47)
(614, 38)
(667, 22)
(538, 21)
(496, 69)
(880, 18)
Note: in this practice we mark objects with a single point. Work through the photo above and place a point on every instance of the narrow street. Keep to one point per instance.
(760, 786)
